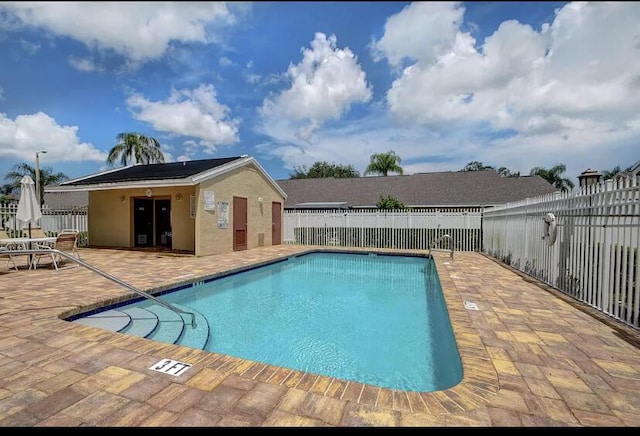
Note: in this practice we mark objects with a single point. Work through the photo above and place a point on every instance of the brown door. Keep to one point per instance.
(239, 223)
(276, 218)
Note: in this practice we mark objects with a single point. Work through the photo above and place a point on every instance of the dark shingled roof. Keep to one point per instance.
(454, 188)
(161, 171)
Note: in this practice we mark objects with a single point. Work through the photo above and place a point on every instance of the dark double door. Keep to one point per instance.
(152, 222)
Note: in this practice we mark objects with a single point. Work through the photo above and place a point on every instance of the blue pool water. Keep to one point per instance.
(375, 319)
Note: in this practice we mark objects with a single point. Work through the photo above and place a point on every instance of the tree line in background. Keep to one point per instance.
(553, 175)
(133, 147)
(379, 164)
(384, 163)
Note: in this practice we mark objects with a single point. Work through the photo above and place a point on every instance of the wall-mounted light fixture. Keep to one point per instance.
(122, 198)
(260, 200)
(179, 196)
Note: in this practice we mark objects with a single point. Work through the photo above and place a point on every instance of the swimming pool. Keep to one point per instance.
(370, 318)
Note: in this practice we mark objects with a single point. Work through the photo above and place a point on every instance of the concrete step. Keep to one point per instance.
(169, 327)
(143, 321)
(113, 320)
(155, 322)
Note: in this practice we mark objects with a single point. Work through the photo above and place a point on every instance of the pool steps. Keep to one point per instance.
(142, 322)
(153, 322)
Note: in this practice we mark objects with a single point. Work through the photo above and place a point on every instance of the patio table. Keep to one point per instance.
(26, 243)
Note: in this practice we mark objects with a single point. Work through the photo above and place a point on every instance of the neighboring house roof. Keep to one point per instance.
(65, 200)
(187, 173)
(12, 198)
(631, 172)
(322, 205)
(443, 189)
(634, 170)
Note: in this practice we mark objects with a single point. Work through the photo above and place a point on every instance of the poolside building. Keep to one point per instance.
(208, 206)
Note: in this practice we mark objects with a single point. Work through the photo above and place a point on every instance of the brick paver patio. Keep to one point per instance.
(531, 357)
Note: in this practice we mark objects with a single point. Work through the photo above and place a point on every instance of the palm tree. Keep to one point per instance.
(135, 147)
(5, 192)
(384, 163)
(553, 175)
(47, 177)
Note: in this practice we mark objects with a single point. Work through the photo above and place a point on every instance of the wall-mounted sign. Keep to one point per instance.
(148, 192)
(209, 200)
(223, 214)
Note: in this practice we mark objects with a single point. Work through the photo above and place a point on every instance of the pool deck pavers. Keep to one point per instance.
(531, 357)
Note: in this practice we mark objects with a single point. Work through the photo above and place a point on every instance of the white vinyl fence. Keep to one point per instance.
(52, 221)
(594, 257)
(408, 229)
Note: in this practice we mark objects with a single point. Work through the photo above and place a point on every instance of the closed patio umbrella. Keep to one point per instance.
(28, 207)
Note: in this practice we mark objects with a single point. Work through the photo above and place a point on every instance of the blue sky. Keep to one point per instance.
(514, 84)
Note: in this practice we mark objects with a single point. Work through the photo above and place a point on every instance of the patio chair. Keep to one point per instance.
(67, 241)
(6, 253)
(5, 250)
(37, 232)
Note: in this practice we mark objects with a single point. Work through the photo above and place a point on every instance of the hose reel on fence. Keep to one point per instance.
(550, 229)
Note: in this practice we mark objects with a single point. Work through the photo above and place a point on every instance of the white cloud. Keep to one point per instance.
(138, 31)
(225, 62)
(355, 142)
(190, 148)
(30, 47)
(23, 137)
(324, 85)
(422, 30)
(195, 113)
(252, 78)
(569, 91)
(83, 64)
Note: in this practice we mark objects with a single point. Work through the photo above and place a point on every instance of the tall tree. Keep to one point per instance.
(135, 148)
(553, 175)
(324, 169)
(609, 174)
(506, 172)
(384, 163)
(47, 177)
(474, 165)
